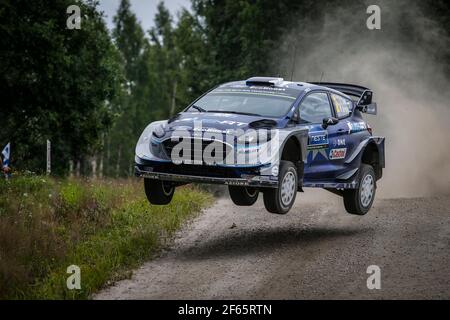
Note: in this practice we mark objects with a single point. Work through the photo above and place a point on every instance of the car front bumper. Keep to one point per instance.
(244, 180)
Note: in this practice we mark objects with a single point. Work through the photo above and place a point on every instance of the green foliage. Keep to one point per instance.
(241, 34)
(105, 227)
(56, 83)
(133, 49)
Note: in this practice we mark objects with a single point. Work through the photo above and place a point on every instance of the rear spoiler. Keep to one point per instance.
(364, 95)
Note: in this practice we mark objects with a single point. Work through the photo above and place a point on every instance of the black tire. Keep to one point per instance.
(158, 192)
(355, 201)
(243, 196)
(273, 199)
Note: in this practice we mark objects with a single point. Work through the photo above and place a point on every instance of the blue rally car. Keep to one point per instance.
(271, 136)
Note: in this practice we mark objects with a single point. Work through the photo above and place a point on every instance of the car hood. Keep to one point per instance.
(220, 122)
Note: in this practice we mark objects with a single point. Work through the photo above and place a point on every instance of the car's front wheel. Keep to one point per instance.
(243, 196)
(359, 201)
(280, 200)
(158, 192)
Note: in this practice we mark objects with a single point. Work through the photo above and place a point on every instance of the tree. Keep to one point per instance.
(165, 62)
(240, 35)
(134, 104)
(195, 73)
(56, 82)
(153, 71)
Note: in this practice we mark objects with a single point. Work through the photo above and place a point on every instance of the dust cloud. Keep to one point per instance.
(402, 63)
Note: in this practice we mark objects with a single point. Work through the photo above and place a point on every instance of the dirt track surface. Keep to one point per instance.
(316, 251)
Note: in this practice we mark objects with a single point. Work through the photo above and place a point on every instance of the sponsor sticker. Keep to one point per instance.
(317, 139)
(338, 153)
(356, 126)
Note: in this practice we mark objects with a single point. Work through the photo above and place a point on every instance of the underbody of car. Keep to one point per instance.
(271, 136)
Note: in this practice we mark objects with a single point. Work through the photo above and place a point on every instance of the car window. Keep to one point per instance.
(315, 107)
(342, 105)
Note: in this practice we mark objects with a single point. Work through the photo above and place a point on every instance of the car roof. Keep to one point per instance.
(279, 83)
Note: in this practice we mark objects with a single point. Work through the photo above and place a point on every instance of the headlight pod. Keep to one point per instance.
(159, 131)
(143, 144)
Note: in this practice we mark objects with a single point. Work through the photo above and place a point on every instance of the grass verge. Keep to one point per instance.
(105, 227)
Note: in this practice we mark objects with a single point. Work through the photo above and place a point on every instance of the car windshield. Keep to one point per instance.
(245, 102)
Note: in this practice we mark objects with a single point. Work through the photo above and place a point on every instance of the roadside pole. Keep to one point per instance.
(49, 159)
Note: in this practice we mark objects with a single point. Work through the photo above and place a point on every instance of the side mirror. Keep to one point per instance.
(370, 108)
(329, 121)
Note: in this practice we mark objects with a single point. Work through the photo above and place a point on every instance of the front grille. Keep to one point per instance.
(217, 153)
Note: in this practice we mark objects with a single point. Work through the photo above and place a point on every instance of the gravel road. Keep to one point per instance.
(316, 251)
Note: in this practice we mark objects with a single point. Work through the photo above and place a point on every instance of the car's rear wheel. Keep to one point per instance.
(158, 192)
(359, 201)
(280, 200)
(243, 196)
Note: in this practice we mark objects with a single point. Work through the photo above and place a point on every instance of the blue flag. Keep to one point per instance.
(5, 153)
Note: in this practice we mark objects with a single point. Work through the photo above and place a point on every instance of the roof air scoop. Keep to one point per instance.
(263, 81)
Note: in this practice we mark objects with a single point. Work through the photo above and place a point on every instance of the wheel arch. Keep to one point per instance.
(370, 151)
(294, 149)
(371, 156)
(291, 150)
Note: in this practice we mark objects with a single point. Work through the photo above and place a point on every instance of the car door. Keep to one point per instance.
(342, 136)
(313, 108)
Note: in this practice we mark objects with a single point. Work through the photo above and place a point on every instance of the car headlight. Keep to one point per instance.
(159, 131)
(143, 145)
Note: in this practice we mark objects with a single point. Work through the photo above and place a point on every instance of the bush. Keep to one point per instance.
(103, 226)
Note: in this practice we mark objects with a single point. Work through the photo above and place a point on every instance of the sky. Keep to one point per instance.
(145, 10)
